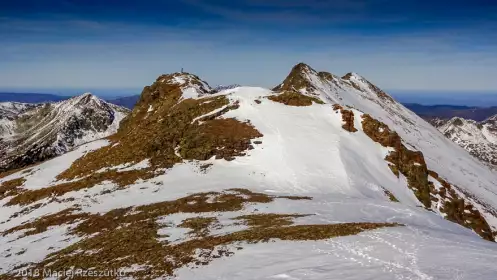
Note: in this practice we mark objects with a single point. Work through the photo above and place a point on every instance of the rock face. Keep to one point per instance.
(478, 138)
(196, 180)
(39, 132)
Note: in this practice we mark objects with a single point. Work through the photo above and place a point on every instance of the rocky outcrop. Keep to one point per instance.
(402, 160)
(347, 118)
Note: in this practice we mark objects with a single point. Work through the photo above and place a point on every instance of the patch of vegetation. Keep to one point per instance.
(293, 98)
(222, 138)
(269, 220)
(390, 195)
(11, 187)
(199, 225)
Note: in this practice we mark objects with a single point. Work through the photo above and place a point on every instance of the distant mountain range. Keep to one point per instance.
(478, 138)
(450, 111)
(125, 101)
(425, 111)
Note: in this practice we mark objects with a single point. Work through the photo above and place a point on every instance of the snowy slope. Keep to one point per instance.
(303, 151)
(478, 138)
(38, 132)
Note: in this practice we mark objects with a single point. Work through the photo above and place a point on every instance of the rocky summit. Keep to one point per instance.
(322, 177)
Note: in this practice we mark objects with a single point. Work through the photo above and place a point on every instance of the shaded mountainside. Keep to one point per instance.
(42, 131)
(450, 111)
(324, 176)
(478, 138)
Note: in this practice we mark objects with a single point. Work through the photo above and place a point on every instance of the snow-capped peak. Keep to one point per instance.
(51, 129)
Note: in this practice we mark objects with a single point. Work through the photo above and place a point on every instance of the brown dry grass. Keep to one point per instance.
(293, 98)
(129, 236)
(222, 138)
(11, 187)
(199, 225)
(269, 220)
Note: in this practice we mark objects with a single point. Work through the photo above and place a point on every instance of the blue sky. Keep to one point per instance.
(398, 45)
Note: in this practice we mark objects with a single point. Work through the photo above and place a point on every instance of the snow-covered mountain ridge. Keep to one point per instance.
(36, 132)
(478, 138)
(322, 178)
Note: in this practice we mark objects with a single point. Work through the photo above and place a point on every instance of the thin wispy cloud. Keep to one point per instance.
(397, 44)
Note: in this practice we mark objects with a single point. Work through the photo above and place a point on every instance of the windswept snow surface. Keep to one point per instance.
(304, 151)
